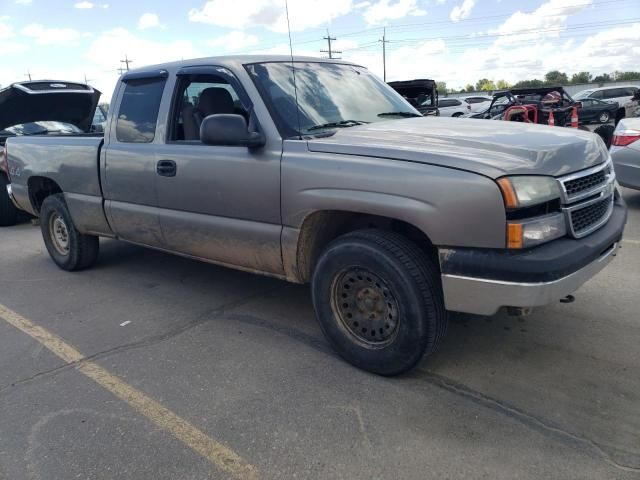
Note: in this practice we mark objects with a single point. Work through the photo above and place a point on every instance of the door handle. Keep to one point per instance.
(166, 168)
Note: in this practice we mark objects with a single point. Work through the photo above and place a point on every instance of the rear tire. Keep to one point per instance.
(8, 211)
(457, 114)
(606, 133)
(604, 117)
(378, 300)
(69, 249)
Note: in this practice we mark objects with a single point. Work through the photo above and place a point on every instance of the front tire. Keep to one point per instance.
(8, 211)
(69, 249)
(604, 117)
(378, 300)
(457, 114)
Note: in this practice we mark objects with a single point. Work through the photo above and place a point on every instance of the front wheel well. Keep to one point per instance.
(322, 227)
(39, 189)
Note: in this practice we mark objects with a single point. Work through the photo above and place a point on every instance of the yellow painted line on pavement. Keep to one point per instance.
(215, 452)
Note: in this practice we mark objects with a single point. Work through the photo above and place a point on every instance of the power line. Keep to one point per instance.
(329, 50)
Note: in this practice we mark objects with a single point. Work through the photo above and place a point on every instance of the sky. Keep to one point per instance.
(455, 41)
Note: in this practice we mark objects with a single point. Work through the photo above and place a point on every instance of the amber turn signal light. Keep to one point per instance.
(514, 235)
(508, 193)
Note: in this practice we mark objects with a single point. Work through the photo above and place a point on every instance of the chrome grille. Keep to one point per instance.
(588, 218)
(589, 182)
(586, 183)
(587, 199)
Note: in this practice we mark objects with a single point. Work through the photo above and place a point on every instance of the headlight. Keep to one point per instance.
(525, 191)
(528, 233)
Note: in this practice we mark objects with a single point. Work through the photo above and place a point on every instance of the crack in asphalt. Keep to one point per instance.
(147, 341)
(320, 344)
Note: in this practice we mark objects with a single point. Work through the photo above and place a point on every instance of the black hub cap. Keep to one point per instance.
(365, 306)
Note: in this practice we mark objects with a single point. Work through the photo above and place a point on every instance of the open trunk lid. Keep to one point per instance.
(41, 100)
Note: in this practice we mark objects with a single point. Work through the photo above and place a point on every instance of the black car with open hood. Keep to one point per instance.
(37, 108)
(43, 100)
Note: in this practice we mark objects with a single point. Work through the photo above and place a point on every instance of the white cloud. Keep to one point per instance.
(6, 31)
(548, 20)
(241, 14)
(51, 36)
(385, 10)
(107, 49)
(84, 5)
(149, 20)
(462, 11)
(235, 40)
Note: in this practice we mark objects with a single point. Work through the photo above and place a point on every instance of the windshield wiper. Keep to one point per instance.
(340, 124)
(399, 114)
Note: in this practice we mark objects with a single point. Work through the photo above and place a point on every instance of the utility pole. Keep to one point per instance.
(384, 53)
(28, 74)
(126, 61)
(330, 51)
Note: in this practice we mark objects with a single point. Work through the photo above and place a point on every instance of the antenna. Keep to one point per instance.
(293, 68)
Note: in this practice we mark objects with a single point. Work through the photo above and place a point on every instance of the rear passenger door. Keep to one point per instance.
(222, 203)
(129, 165)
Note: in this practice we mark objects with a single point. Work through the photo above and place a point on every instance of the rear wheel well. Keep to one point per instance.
(39, 189)
(322, 227)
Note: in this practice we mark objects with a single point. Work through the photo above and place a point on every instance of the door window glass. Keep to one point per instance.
(199, 96)
(138, 113)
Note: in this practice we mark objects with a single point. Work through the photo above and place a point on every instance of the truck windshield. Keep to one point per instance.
(329, 96)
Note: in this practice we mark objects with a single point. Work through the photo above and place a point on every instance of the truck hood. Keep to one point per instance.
(27, 102)
(489, 148)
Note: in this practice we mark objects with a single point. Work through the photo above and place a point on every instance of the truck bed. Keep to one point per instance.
(71, 161)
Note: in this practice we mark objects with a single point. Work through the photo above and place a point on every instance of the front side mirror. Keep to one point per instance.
(229, 130)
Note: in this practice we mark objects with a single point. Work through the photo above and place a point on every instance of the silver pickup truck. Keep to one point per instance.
(316, 171)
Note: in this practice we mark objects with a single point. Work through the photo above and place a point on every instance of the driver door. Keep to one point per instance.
(221, 203)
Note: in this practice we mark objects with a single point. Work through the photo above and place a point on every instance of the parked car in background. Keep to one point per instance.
(453, 107)
(393, 220)
(625, 152)
(619, 94)
(421, 93)
(593, 110)
(100, 118)
(41, 107)
(478, 102)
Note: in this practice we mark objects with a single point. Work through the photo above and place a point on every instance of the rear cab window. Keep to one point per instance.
(139, 107)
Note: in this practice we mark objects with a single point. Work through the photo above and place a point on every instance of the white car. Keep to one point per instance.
(453, 107)
(619, 94)
(478, 102)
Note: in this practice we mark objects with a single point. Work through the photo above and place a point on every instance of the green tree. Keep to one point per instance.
(529, 83)
(503, 85)
(442, 87)
(485, 85)
(626, 76)
(605, 77)
(469, 88)
(555, 77)
(581, 77)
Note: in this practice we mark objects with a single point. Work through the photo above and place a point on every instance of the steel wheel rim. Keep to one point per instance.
(365, 307)
(59, 234)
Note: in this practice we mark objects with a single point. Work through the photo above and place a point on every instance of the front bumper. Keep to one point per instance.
(482, 281)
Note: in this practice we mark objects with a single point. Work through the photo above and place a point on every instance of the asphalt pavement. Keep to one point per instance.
(151, 366)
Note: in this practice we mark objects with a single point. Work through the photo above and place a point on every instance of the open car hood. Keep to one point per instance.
(41, 100)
